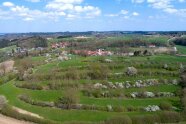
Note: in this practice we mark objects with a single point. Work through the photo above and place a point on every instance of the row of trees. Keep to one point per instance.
(119, 43)
(180, 41)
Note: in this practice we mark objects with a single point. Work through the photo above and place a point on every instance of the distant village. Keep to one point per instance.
(144, 50)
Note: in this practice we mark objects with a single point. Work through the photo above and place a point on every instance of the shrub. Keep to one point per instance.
(131, 108)
(165, 106)
(7, 78)
(119, 120)
(118, 109)
(69, 98)
(27, 99)
(131, 71)
(89, 107)
(72, 73)
(58, 84)
(183, 100)
(146, 119)
(98, 71)
(33, 86)
(183, 78)
(3, 102)
(169, 117)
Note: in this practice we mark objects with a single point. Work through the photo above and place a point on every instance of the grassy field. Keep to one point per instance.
(181, 49)
(8, 49)
(12, 92)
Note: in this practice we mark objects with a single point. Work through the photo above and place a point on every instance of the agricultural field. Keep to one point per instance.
(62, 87)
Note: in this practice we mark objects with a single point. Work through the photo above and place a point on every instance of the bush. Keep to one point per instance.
(118, 109)
(32, 86)
(184, 96)
(146, 119)
(131, 108)
(89, 107)
(7, 78)
(3, 102)
(165, 106)
(27, 99)
(119, 120)
(69, 98)
(72, 73)
(170, 117)
(183, 79)
(131, 71)
(98, 71)
(58, 84)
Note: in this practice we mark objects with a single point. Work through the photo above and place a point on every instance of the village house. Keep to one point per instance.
(152, 46)
(99, 52)
(59, 45)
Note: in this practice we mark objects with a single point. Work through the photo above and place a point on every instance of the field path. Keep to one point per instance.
(26, 112)
(8, 120)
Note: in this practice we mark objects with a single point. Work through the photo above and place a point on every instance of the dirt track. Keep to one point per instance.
(8, 120)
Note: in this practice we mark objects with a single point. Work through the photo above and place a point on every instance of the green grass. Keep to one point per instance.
(8, 49)
(160, 88)
(38, 58)
(127, 102)
(181, 49)
(75, 61)
(11, 92)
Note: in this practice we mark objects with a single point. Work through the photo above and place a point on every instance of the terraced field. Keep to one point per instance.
(46, 86)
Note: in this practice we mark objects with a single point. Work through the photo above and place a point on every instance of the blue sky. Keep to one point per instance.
(92, 15)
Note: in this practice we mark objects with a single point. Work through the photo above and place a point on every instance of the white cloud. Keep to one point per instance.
(135, 14)
(73, 7)
(157, 17)
(34, 1)
(112, 15)
(167, 6)
(160, 4)
(171, 10)
(8, 4)
(54, 10)
(28, 19)
(126, 17)
(3, 15)
(124, 12)
(138, 1)
(68, 1)
(181, 1)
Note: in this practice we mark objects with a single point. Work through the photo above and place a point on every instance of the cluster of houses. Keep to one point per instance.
(59, 45)
(99, 52)
(23, 51)
(63, 56)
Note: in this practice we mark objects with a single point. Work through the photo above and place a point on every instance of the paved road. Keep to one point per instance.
(8, 120)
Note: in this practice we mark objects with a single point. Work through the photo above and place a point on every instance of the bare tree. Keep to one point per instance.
(3, 67)
(3, 101)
